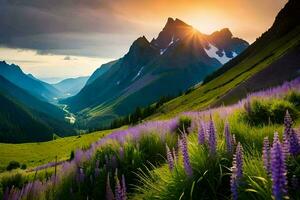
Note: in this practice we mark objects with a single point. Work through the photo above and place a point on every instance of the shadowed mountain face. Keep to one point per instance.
(100, 71)
(25, 118)
(177, 59)
(38, 88)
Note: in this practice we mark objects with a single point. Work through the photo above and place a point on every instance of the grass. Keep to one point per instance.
(35, 154)
(143, 163)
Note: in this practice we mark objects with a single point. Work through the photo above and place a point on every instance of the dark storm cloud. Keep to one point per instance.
(63, 26)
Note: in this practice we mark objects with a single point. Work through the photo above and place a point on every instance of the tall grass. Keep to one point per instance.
(139, 153)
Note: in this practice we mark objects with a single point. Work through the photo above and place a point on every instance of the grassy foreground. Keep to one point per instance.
(223, 153)
(35, 154)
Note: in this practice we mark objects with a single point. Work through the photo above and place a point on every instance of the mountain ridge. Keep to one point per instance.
(250, 71)
(36, 87)
(177, 59)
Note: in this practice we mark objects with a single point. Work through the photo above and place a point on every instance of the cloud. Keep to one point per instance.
(67, 58)
(62, 26)
(106, 28)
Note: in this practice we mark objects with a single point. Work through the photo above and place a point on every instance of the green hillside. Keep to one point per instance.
(259, 56)
(35, 154)
(25, 118)
(18, 124)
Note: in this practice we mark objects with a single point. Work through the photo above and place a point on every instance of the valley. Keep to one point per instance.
(186, 115)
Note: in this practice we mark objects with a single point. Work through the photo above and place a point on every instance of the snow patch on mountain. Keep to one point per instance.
(212, 53)
(162, 51)
(138, 74)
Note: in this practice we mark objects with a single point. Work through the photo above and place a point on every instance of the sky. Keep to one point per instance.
(70, 38)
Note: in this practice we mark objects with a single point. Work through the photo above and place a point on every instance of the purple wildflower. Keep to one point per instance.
(123, 188)
(201, 134)
(212, 138)
(170, 158)
(239, 160)
(278, 170)
(266, 154)
(6, 194)
(228, 138)
(294, 143)
(233, 141)
(185, 154)
(114, 162)
(121, 153)
(237, 171)
(97, 169)
(287, 134)
(288, 123)
(175, 156)
(247, 105)
(118, 189)
(109, 194)
(80, 175)
(234, 184)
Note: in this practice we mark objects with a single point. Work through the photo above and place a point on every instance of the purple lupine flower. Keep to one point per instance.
(123, 188)
(212, 143)
(286, 145)
(266, 154)
(170, 158)
(114, 162)
(6, 194)
(97, 169)
(201, 134)
(121, 153)
(228, 138)
(247, 105)
(288, 123)
(237, 171)
(234, 183)
(118, 189)
(233, 142)
(81, 175)
(109, 195)
(239, 160)
(175, 156)
(278, 170)
(294, 143)
(185, 154)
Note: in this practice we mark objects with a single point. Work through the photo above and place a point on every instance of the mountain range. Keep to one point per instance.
(271, 60)
(71, 86)
(32, 85)
(25, 118)
(176, 60)
(216, 69)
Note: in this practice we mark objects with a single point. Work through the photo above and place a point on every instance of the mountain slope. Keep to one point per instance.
(18, 125)
(20, 95)
(100, 71)
(26, 118)
(177, 59)
(37, 88)
(71, 86)
(270, 60)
